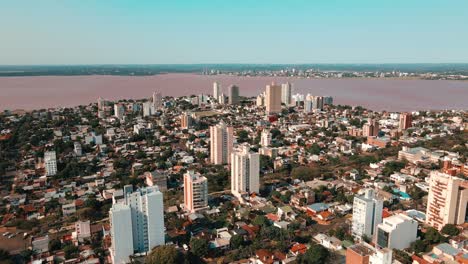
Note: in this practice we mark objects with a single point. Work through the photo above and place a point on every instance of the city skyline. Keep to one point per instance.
(187, 32)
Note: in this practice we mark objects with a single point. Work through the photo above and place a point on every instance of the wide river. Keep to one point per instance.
(378, 94)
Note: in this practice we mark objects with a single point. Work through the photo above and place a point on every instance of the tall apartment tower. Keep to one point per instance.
(371, 128)
(143, 211)
(119, 110)
(148, 109)
(233, 94)
(405, 121)
(308, 104)
(221, 142)
(157, 100)
(245, 172)
(186, 120)
(265, 138)
(50, 162)
(120, 218)
(216, 90)
(101, 103)
(195, 192)
(317, 102)
(447, 200)
(286, 93)
(367, 214)
(273, 99)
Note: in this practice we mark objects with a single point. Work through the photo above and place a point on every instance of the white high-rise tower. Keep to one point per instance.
(245, 172)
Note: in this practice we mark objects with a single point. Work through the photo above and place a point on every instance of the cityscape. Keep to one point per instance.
(139, 151)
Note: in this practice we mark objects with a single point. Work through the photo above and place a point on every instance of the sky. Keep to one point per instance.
(232, 31)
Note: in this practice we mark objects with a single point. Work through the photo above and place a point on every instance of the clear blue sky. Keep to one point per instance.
(232, 31)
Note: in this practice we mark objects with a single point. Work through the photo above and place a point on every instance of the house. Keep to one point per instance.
(265, 256)
(298, 248)
(317, 208)
(68, 209)
(286, 212)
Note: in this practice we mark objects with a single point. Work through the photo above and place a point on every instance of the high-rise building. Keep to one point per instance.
(195, 192)
(245, 172)
(286, 93)
(396, 232)
(371, 128)
(157, 100)
(317, 102)
(308, 105)
(77, 149)
(265, 138)
(120, 218)
(233, 94)
(327, 100)
(405, 121)
(148, 108)
(447, 200)
(186, 120)
(216, 90)
(101, 104)
(50, 162)
(261, 100)
(221, 142)
(137, 222)
(222, 98)
(119, 110)
(273, 99)
(367, 214)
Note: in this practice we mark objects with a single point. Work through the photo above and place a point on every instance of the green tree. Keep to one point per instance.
(55, 244)
(450, 229)
(419, 246)
(237, 241)
(164, 255)
(199, 247)
(71, 251)
(260, 220)
(316, 254)
(242, 136)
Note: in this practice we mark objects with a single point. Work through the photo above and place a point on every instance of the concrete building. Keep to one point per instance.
(367, 214)
(371, 128)
(77, 149)
(273, 99)
(364, 253)
(148, 109)
(286, 93)
(120, 217)
(216, 90)
(327, 100)
(156, 178)
(186, 120)
(396, 232)
(317, 102)
(157, 101)
(265, 138)
(308, 105)
(221, 142)
(50, 163)
(245, 172)
(447, 200)
(405, 121)
(119, 110)
(233, 94)
(143, 211)
(82, 230)
(195, 192)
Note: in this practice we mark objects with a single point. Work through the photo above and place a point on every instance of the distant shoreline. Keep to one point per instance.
(391, 94)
